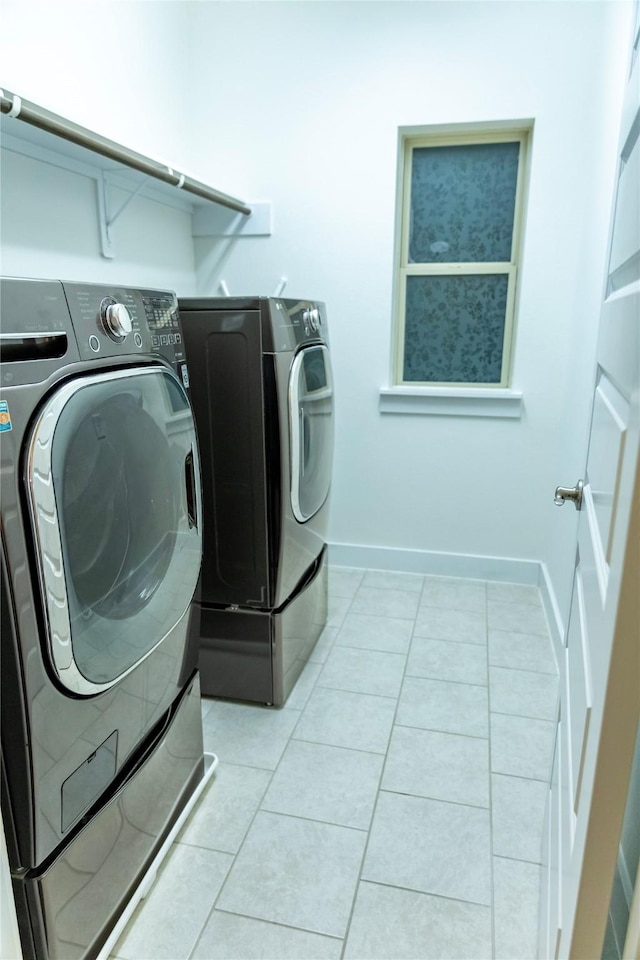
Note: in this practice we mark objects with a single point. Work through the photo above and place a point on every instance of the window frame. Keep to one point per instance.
(411, 138)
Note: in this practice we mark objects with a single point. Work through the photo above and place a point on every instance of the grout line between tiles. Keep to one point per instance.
(235, 857)
(300, 816)
(540, 673)
(321, 743)
(465, 643)
(278, 923)
(364, 693)
(518, 776)
(378, 792)
(334, 746)
(521, 716)
(525, 633)
(448, 733)
(465, 683)
(424, 796)
(491, 843)
(426, 893)
(351, 646)
(468, 643)
(502, 856)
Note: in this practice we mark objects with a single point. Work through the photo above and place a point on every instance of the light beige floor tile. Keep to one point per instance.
(516, 886)
(441, 766)
(439, 705)
(344, 581)
(386, 634)
(230, 937)
(517, 811)
(246, 734)
(522, 747)
(225, 810)
(321, 782)
(523, 693)
(386, 603)
(297, 872)
(514, 593)
(363, 671)
(205, 706)
(338, 607)
(447, 660)
(430, 847)
(454, 593)
(517, 617)
(463, 626)
(521, 651)
(343, 719)
(303, 686)
(392, 580)
(324, 645)
(393, 924)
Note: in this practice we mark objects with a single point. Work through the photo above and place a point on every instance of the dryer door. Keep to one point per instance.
(311, 427)
(113, 481)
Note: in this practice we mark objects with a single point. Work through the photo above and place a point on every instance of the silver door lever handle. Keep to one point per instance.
(570, 493)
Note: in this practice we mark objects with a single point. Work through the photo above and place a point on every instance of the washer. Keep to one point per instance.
(262, 393)
(101, 550)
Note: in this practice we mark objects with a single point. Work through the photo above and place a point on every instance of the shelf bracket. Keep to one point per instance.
(108, 219)
(215, 221)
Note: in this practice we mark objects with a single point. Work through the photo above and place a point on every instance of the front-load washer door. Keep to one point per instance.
(311, 430)
(114, 489)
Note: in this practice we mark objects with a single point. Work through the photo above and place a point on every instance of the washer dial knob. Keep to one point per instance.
(116, 319)
(311, 318)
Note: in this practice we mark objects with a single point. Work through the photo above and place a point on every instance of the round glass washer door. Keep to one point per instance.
(311, 430)
(112, 476)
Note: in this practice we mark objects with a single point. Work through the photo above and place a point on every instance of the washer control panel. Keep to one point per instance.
(296, 322)
(119, 321)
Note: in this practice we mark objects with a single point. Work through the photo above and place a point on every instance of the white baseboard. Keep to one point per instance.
(434, 564)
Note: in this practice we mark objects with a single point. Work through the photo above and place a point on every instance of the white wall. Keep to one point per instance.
(308, 103)
(121, 69)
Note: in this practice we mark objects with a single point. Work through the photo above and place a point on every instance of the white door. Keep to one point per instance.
(600, 676)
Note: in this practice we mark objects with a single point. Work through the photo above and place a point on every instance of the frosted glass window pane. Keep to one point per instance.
(462, 203)
(454, 330)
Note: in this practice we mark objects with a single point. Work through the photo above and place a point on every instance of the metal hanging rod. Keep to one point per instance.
(14, 106)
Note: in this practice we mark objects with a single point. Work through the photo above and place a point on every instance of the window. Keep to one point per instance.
(461, 209)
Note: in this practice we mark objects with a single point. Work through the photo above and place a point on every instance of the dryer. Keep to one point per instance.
(101, 550)
(262, 393)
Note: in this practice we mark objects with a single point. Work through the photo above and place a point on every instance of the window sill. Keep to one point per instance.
(452, 401)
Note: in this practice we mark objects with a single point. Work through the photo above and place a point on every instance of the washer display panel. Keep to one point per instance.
(311, 427)
(112, 476)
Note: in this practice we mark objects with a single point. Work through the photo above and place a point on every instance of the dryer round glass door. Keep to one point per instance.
(311, 429)
(112, 474)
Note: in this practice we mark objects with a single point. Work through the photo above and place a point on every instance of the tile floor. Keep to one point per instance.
(393, 808)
